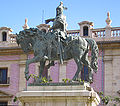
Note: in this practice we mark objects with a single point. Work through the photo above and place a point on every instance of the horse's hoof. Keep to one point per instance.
(27, 77)
(95, 71)
(74, 79)
(90, 81)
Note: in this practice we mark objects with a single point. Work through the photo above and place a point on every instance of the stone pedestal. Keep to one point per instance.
(67, 95)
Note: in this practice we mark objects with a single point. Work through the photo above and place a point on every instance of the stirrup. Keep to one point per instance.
(45, 57)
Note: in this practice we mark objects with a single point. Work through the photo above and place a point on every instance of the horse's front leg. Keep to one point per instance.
(27, 70)
(29, 61)
(41, 69)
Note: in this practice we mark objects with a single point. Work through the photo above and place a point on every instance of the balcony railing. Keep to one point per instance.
(100, 32)
(12, 38)
(106, 32)
(115, 31)
(73, 32)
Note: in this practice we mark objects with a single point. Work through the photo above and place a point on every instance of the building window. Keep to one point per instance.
(85, 31)
(3, 103)
(84, 73)
(4, 36)
(3, 75)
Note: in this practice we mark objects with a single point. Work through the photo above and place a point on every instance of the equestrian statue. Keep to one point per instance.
(57, 45)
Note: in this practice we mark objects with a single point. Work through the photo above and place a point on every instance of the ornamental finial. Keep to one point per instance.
(26, 25)
(108, 20)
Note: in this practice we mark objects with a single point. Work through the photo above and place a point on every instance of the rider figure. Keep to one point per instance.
(59, 29)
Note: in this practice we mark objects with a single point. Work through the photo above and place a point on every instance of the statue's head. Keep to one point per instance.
(59, 9)
(61, 3)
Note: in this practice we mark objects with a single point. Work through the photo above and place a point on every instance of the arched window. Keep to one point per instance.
(85, 31)
(4, 36)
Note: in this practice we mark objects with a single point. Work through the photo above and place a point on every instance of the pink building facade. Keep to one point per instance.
(14, 74)
(13, 60)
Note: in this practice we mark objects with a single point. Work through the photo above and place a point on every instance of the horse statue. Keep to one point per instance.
(76, 48)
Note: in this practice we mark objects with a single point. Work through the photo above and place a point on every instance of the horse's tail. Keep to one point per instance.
(94, 53)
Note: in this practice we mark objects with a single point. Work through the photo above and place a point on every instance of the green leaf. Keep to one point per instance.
(15, 99)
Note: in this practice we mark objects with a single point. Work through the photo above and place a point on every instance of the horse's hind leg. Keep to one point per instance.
(79, 68)
(42, 65)
(78, 53)
(86, 62)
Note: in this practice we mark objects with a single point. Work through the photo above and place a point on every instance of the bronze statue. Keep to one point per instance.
(52, 46)
(59, 29)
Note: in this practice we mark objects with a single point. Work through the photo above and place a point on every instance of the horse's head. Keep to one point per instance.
(24, 41)
(28, 37)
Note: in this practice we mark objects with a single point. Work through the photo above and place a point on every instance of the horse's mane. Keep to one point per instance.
(31, 32)
(27, 33)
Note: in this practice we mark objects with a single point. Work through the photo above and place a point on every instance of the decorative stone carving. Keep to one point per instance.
(108, 20)
(26, 25)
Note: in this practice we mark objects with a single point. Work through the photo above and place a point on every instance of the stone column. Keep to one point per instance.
(8, 36)
(108, 31)
(108, 75)
(116, 72)
(22, 81)
(62, 72)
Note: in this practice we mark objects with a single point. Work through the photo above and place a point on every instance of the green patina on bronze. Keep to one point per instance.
(57, 45)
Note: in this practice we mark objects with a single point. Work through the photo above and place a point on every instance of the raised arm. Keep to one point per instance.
(48, 20)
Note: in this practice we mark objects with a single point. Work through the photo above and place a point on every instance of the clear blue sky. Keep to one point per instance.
(14, 12)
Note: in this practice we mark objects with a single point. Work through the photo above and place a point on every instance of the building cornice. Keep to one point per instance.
(18, 51)
(86, 22)
(6, 28)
